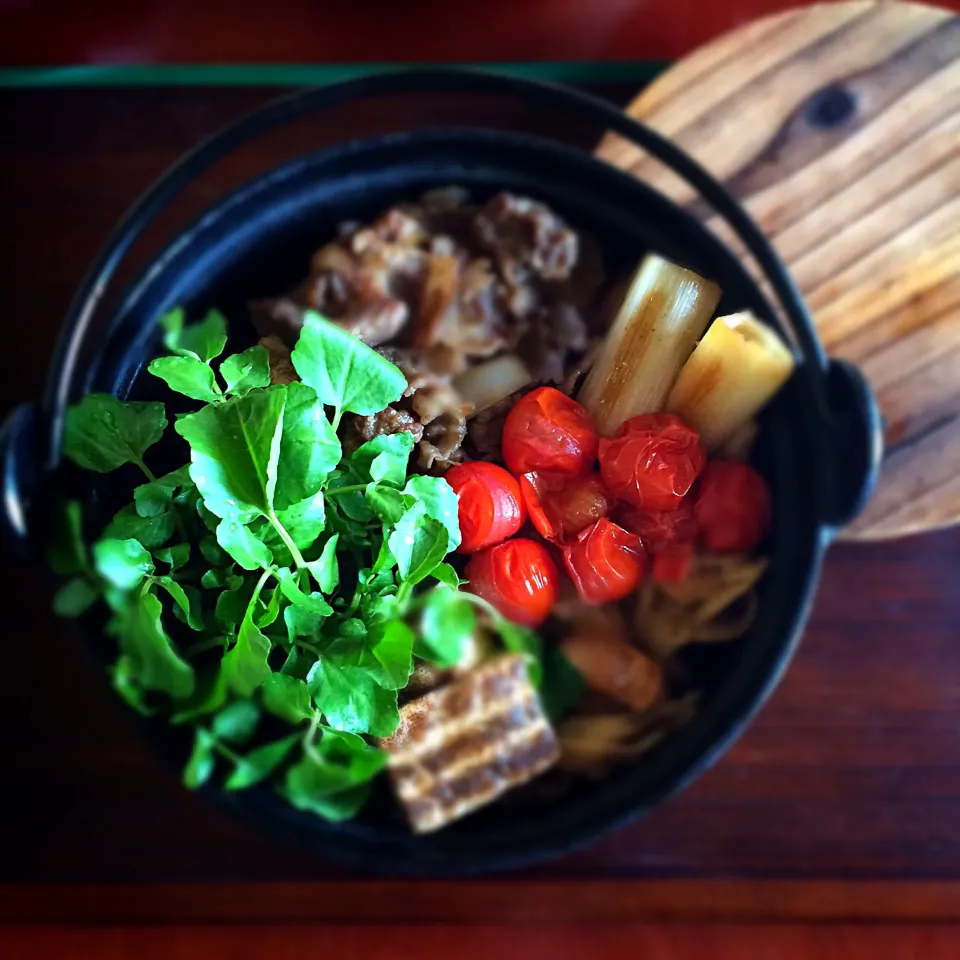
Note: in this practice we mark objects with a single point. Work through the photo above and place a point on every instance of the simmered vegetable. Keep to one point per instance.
(560, 506)
(732, 507)
(652, 461)
(490, 506)
(605, 563)
(518, 578)
(546, 430)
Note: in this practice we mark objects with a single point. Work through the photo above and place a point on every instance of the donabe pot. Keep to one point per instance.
(819, 445)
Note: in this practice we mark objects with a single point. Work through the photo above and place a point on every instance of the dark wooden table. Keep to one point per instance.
(841, 801)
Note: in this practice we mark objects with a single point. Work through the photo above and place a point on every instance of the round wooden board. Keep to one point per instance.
(838, 127)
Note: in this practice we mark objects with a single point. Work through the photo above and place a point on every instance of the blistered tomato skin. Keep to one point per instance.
(732, 507)
(652, 461)
(560, 506)
(490, 507)
(518, 577)
(547, 430)
(659, 529)
(605, 563)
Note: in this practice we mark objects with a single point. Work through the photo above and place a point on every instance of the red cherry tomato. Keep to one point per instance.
(605, 562)
(546, 430)
(672, 564)
(732, 507)
(658, 529)
(561, 506)
(652, 461)
(518, 577)
(489, 504)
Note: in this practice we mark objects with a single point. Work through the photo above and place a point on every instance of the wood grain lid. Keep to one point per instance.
(838, 127)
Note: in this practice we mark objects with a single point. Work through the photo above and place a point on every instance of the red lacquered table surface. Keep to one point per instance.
(839, 803)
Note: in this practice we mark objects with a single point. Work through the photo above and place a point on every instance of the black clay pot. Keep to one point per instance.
(820, 438)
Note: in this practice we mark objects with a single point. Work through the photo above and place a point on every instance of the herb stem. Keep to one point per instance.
(308, 646)
(225, 751)
(203, 645)
(287, 540)
(337, 491)
(147, 472)
(311, 732)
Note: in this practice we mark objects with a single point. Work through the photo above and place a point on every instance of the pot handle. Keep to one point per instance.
(18, 462)
(855, 434)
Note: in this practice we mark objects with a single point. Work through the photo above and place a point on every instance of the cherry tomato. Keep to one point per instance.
(546, 430)
(489, 504)
(561, 506)
(673, 563)
(605, 562)
(652, 461)
(518, 577)
(732, 507)
(658, 529)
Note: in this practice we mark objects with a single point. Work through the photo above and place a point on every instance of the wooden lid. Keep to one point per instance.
(838, 127)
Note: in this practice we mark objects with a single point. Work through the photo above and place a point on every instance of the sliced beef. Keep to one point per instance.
(525, 235)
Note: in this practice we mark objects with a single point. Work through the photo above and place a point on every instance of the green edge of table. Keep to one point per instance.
(307, 74)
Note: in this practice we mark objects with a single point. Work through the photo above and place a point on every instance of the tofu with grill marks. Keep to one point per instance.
(462, 746)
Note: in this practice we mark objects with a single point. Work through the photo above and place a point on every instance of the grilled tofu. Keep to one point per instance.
(466, 744)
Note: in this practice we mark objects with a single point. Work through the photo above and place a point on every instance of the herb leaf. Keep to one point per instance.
(150, 532)
(309, 448)
(448, 624)
(245, 666)
(65, 551)
(124, 563)
(202, 341)
(102, 433)
(286, 697)
(243, 546)
(258, 764)
(202, 760)
(384, 458)
(188, 376)
(243, 372)
(234, 448)
(237, 722)
(332, 778)
(325, 569)
(351, 698)
(155, 663)
(346, 373)
(74, 598)
(439, 502)
(419, 543)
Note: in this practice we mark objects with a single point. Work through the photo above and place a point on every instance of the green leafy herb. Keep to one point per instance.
(243, 372)
(202, 760)
(346, 373)
(124, 563)
(258, 764)
(419, 544)
(272, 579)
(102, 433)
(237, 722)
(188, 376)
(75, 597)
(250, 552)
(153, 661)
(325, 569)
(286, 697)
(352, 698)
(149, 532)
(447, 626)
(202, 341)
